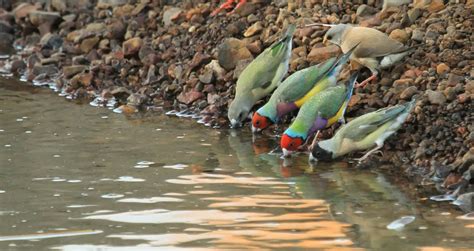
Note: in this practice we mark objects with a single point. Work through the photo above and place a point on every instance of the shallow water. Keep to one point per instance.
(76, 177)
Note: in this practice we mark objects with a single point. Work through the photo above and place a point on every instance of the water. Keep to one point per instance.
(77, 177)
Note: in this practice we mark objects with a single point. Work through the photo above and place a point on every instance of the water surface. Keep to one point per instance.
(76, 177)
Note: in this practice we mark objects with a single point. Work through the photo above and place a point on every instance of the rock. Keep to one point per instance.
(18, 66)
(23, 10)
(199, 59)
(436, 97)
(414, 14)
(5, 27)
(408, 92)
(417, 35)
(132, 46)
(399, 35)
(207, 76)
(136, 100)
(189, 97)
(116, 30)
(450, 93)
(463, 98)
(254, 29)
(171, 14)
(231, 51)
(442, 68)
(6, 43)
(246, 9)
(394, 3)
(85, 78)
(59, 5)
(38, 18)
(365, 10)
(320, 54)
(48, 70)
(431, 5)
(119, 93)
(213, 98)
(354, 100)
(454, 78)
(218, 71)
(51, 41)
(88, 44)
(469, 87)
(435, 6)
(103, 4)
(96, 28)
(70, 71)
(255, 47)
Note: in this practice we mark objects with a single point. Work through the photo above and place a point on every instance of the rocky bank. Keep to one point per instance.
(174, 55)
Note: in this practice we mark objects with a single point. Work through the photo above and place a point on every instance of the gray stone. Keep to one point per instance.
(110, 3)
(417, 35)
(51, 41)
(38, 18)
(70, 71)
(48, 70)
(170, 14)
(5, 27)
(231, 51)
(6, 43)
(365, 10)
(414, 14)
(436, 97)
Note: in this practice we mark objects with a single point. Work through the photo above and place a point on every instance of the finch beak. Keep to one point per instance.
(255, 129)
(325, 41)
(234, 123)
(312, 159)
(286, 153)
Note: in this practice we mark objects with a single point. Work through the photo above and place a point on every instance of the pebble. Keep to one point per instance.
(442, 68)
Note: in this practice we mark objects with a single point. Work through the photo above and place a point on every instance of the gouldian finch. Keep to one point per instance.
(320, 111)
(364, 132)
(297, 89)
(375, 51)
(261, 77)
(293, 88)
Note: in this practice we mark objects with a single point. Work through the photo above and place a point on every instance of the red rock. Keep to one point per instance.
(199, 59)
(189, 97)
(461, 130)
(320, 54)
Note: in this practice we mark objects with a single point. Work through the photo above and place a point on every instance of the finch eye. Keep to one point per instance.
(329, 37)
(257, 123)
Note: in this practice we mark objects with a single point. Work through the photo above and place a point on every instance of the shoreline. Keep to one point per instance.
(153, 54)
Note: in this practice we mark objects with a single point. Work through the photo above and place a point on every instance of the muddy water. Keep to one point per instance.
(76, 177)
